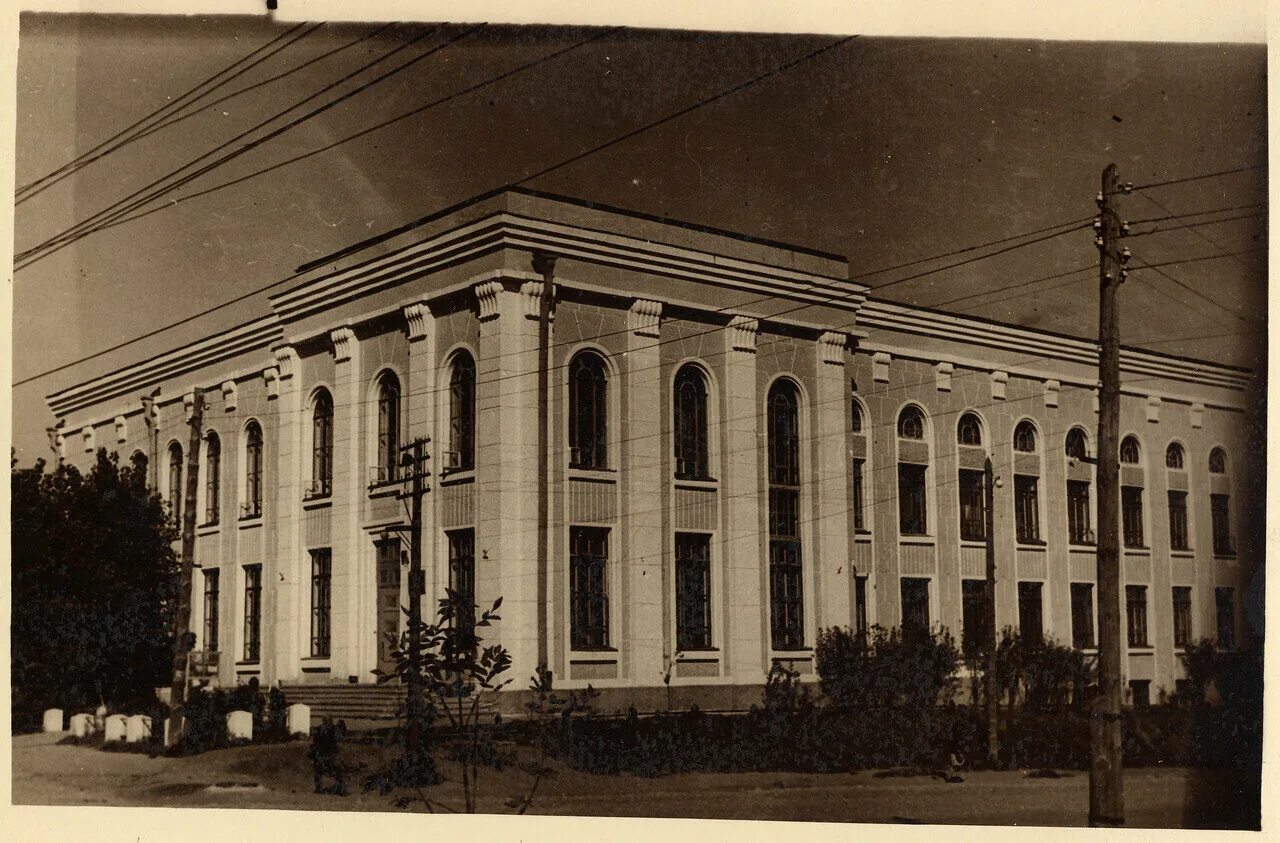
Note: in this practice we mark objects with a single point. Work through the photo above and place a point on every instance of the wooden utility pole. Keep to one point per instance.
(1106, 791)
(417, 452)
(992, 690)
(544, 265)
(182, 638)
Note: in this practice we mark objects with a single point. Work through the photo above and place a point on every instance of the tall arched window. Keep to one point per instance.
(857, 417)
(913, 467)
(1024, 437)
(1217, 461)
(588, 416)
(462, 412)
(175, 480)
(969, 430)
(1173, 456)
(213, 478)
(321, 446)
(388, 429)
(252, 470)
(690, 401)
(1077, 446)
(786, 588)
(1130, 452)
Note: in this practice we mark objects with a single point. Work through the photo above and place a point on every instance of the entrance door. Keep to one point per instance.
(388, 603)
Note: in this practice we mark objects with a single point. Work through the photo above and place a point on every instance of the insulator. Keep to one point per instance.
(1098, 241)
(1126, 188)
(1101, 200)
(1097, 223)
(1124, 228)
(1125, 255)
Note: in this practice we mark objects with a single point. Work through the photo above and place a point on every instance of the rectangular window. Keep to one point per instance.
(915, 604)
(786, 596)
(211, 585)
(1178, 538)
(1141, 692)
(860, 606)
(1224, 600)
(974, 609)
(1220, 506)
(588, 596)
(321, 600)
(252, 613)
(1026, 507)
(912, 517)
(1031, 611)
(1078, 520)
(462, 575)
(973, 506)
(859, 513)
(1131, 515)
(1082, 615)
(693, 591)
(1136, 610)
(1181, 615)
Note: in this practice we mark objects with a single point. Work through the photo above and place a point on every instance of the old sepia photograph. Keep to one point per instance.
(611, 421)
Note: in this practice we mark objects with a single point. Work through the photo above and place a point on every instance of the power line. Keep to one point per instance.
(1196, 224)
(1193, 292)
(1197, 178)
(1197, 260)
(270, 79)
(1197, 232)
(239, 179)
(71, 235)
(972, 248)
(128, 135)
(1175, 216)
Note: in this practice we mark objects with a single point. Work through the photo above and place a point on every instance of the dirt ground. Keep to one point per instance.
(279, 776)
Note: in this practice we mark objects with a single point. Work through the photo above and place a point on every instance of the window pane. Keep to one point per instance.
(1181, 616)
(1136, 609)
(912, 513)
(1224, 602)
(1078, 512)
(1220, 506)
(690, 424)
(915, 604)
(973, 506)
(587, 412)
(211, 583)
(1131, 515)
(1030, 611)
(321, 571)
(462, 575)
(860, 606)
(974, 609)
(859, 513)
(252, 612)
(1178, 539)
(462, 413)
(1027, 507)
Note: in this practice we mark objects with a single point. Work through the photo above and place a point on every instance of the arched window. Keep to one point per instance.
(175, 480)
(969, 430)
(857, 417)
(588, 415)
(138, 460)
(1024, 437)
(1077, 444)
(1129, 451)
(1173, 456)
(213, 478)
(388, 429)
(786, 587)
(321, 446)
(911, 423)
(1217, 461)
(252, 470)
(690, 402)
(462, 413)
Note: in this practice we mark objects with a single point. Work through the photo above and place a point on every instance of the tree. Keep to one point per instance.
(94, 586)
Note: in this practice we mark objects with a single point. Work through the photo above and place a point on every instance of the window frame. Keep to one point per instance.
(322, 423)
(693, 592)
(1224, 597)
(1021, 431)
(1136, 618)
(388, 430)
(1026, 508)
(461, 556)
(1132, 522)
(1179, 520)
(253, 470)
(691, 423)
(972, 501)
(1080, 517)
(461, 410)
(321, 638)
(786, 552)
(1183, 616)
(1220, 522)
(589, 626)
(1130, 451)
(920, 599)
(969, 430)
(1175, 456)
(588, 411)
(176, 474)
(252, 652)
(1031, 611)
(211, 622)
(1084, 621)
(213, 479)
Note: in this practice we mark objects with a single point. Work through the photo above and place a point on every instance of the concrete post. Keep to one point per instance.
(82, 725)
(115, 729)
(137, 728)
(240, 726)
(299, 722)
(52, 720)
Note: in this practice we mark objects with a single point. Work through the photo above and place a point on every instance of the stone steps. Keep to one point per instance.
(356, 702)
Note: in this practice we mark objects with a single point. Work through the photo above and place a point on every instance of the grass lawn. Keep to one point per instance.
(49, 774)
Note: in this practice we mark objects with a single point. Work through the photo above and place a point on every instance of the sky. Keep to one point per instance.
(886, 150)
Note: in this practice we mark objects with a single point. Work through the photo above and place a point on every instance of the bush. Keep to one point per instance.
(894, 667)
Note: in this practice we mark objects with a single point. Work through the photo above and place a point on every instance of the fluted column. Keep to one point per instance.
(642, 488)
(745, 618)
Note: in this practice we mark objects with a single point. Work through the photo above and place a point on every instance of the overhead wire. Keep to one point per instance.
(134, 131)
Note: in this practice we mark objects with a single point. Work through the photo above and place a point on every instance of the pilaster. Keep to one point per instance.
(644, 571)
(285, 622)
(831, 486)
(350, 603)
(421, 405)
(506, 445)
(745, 619)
